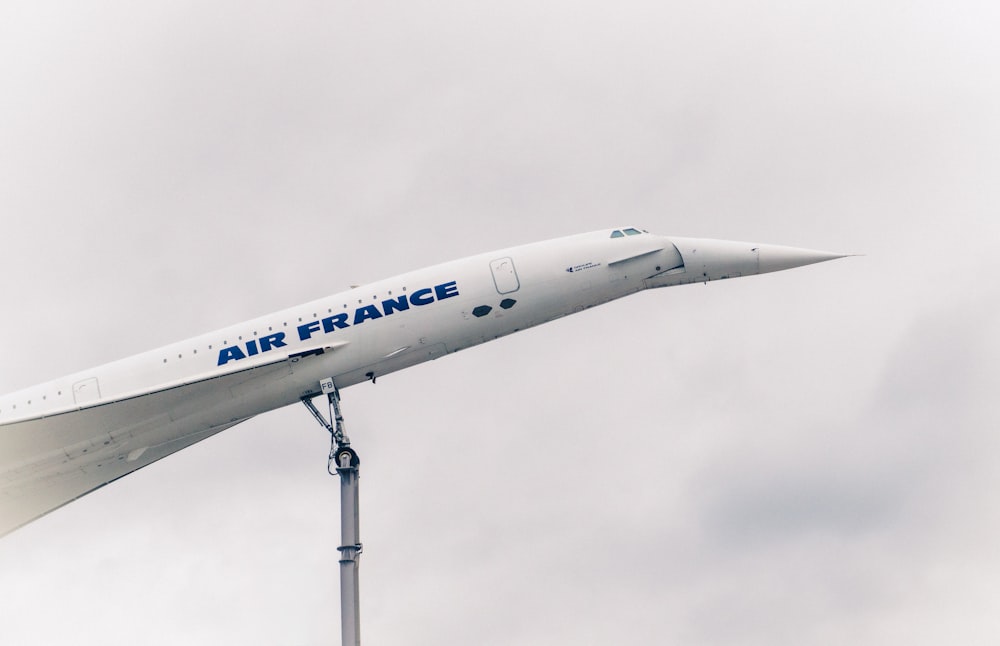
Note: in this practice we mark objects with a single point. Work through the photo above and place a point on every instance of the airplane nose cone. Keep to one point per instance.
(776, 257)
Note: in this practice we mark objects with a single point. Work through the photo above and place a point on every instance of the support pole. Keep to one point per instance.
(345, 460)
(350, 547)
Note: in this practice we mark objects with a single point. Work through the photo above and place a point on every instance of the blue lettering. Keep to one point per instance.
(422, 297)
(397, 304)
(230, 354)
(337, 321)
(306, 330)
(367, 312)
(276, 340)
(447, 290)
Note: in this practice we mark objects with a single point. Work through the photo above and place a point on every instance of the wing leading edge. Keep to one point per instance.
(49, 461)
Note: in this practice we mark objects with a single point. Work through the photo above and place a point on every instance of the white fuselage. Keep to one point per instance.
(69, 436)
(374, 337)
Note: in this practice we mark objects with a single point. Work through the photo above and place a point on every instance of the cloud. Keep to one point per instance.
(806, 456)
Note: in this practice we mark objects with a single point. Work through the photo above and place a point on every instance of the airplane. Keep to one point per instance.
(65, 438)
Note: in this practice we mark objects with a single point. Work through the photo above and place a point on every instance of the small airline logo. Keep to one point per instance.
(589, 265)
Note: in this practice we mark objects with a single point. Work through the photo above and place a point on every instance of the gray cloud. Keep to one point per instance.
(801, 457)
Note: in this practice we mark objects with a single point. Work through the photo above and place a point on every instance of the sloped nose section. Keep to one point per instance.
(777, 257)
(704, 260)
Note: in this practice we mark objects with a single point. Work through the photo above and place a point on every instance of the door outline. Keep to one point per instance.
(504, 275)
(86, 391)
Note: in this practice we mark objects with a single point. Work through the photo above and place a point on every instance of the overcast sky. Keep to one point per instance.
(809, 457)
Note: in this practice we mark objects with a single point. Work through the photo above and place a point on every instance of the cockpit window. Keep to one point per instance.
(631, 231)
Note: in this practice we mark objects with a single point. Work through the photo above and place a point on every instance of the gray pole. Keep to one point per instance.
(350, 547)
(346, 461)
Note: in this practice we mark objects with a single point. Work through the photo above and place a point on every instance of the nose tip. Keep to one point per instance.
(777, 257)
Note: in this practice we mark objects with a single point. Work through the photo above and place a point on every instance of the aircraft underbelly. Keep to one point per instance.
(397, 359)
(50, 461)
